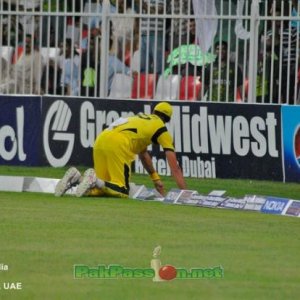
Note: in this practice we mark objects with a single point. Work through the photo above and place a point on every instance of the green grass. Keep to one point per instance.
(234, 187)
(42, 237)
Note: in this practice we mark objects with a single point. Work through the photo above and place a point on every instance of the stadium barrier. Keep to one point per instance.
(212, 140)
(259, 64)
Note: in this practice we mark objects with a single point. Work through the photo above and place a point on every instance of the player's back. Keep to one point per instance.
(139, 130)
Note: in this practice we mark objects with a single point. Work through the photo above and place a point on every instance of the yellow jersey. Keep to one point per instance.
(140, 131)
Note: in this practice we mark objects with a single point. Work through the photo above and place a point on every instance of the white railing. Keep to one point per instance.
(76, 47)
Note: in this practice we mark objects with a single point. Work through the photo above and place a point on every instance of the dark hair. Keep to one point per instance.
(221, 43)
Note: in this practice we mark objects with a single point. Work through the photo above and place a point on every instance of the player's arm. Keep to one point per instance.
(175, 169)
(165, 140)
(148, 165)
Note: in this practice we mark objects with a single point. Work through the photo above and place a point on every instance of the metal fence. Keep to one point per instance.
(196, 50)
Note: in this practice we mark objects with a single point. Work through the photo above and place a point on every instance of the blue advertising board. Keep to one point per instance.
(20, 130)
(291, 142)
(274, 205)
(211, 140)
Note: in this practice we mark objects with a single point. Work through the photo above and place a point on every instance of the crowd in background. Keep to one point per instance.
(142, 37)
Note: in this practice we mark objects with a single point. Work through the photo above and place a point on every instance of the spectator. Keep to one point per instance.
(190, 67)
(95, 32)
(11, 31)
(92, 25)
(69, 68)
(295, 12)
(178, 31)
(124, 30)
(25, 75)
(115, 65)
(90, 69)
(152, 49)
(73, 30)
(92, 6)
(267, 82)
(50, 79)
(267, 78)
(281, 42)
(222, 87)
(30, 23)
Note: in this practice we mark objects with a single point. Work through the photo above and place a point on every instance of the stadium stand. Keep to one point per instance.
(230, 21)
(143, 86)
(190, 88)
(6, 52)
(121, 86)
(168, 87)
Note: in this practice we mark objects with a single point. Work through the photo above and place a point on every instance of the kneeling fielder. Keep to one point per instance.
(115, 150)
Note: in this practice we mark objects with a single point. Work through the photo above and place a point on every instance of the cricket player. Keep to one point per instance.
(114, 151)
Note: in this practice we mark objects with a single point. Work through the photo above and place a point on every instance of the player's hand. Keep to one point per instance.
(159, 187)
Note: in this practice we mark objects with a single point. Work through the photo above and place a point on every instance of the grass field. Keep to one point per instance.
(42, 237)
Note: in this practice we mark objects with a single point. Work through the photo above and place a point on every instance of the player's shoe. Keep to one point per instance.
(88, 182)
(70, 179)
